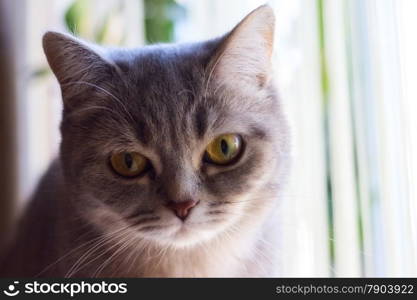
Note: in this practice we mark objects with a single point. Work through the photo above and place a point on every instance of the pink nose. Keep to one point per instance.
(183, 208)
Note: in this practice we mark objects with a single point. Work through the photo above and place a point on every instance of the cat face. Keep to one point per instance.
(173, 145)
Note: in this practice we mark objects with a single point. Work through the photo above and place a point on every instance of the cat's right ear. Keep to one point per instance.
(244, 56)
(74, 62)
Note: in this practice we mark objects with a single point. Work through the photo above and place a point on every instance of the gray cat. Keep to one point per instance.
(171, 164)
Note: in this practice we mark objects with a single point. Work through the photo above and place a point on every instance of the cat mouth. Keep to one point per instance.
(183, 229)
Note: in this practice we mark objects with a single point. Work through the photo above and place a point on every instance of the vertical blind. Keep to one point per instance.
(346, 73)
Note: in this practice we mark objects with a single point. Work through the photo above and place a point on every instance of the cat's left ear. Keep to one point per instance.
(245, 53)
(75, 63)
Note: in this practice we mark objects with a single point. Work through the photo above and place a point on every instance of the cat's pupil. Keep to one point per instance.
(224, 147)
(128, 160)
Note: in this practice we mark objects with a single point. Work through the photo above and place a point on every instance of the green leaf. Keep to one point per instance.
(74, 15)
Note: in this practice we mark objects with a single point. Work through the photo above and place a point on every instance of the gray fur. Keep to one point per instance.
(166, 102)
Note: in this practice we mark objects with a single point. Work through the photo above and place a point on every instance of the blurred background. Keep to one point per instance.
(347, 74)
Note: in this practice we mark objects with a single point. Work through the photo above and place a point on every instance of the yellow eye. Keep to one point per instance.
(224, 149)
(129, 164)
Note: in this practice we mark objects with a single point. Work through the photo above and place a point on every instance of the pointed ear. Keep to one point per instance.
(72, 61)
(245, 53)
